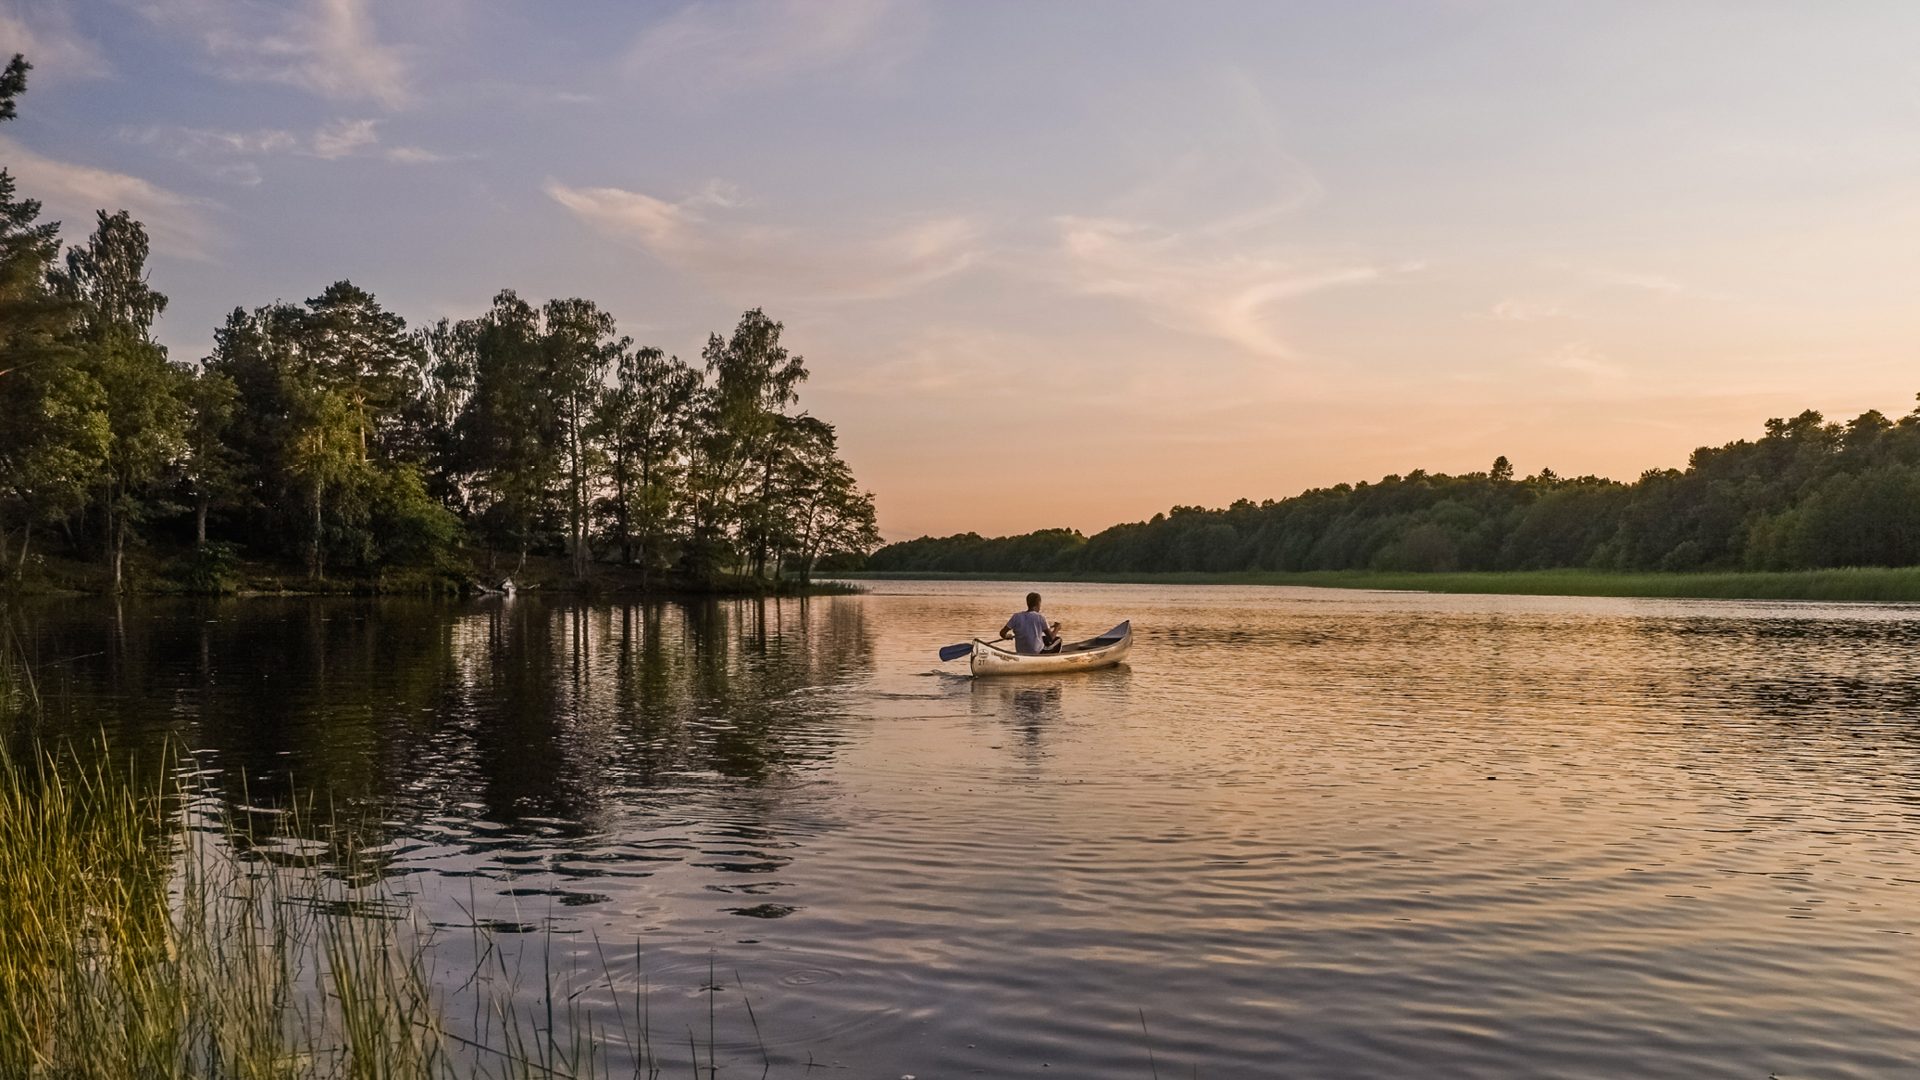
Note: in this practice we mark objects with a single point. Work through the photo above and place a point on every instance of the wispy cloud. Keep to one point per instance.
(1181, 283)
(71, 193)
(229, 155)
(328, 47)
(705, 234)
(414, 155)
(725, 46)
(343, 137)
(224, 155)
(45, 33)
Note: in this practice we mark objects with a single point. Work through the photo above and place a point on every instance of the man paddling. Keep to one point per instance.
(1030, 631)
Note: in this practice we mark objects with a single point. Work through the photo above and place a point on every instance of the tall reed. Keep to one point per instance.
(86, 942)
(137, 941)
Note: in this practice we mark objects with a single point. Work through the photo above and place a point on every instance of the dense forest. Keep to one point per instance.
(1807, 494)
(327, 436)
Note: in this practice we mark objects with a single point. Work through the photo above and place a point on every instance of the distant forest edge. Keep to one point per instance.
(326, 438)
(1807, 495)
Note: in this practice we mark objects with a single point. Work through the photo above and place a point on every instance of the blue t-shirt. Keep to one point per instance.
(1029, 631)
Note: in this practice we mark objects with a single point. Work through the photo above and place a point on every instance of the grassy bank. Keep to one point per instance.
(1868, 584)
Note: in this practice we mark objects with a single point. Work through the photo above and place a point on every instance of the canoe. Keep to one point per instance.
(1104, 651)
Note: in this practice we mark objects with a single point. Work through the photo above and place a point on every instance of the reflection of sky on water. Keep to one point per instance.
(1353, 833)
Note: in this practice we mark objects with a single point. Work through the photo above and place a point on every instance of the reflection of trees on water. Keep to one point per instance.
(533, 719)
(507, 709)
(555, 707)
(324, 693)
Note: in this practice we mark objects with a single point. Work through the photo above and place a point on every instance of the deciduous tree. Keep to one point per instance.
(646, 420)
(142, 396)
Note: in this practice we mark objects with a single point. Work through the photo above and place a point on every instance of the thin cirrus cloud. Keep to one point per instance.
(230, 155)
(223, 155)
(722, 46)
(414, 155)
(328, 47)
(71, 193)
(704, 236)
(1185, 282)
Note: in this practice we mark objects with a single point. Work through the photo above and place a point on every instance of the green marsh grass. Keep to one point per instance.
(134, 943)
(1847, 584)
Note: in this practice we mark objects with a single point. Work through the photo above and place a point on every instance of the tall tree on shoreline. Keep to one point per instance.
(755, 379)
(298, 438)
(364, 354)
(824, 509)
(578, 355)
(503, 449)
(645, 419)
(209, 467)
(143, 396)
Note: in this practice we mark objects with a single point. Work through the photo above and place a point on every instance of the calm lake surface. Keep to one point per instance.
(1306, 833)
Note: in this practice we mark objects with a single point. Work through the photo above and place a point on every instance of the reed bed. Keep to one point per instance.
(135, 944)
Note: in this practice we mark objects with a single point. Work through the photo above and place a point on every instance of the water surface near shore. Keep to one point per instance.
(1311, 833)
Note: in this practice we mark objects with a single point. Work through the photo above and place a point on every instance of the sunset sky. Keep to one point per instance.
(1062, 264)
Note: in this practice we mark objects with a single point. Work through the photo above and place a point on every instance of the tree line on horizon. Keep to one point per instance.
(329, 433)
(1807, 494)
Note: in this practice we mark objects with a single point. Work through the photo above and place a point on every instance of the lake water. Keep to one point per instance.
(1302, 833)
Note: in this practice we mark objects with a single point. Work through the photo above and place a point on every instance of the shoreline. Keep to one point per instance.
(537, 575)
(1858, 585)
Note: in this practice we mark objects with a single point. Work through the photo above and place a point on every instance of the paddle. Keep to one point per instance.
(955, 652)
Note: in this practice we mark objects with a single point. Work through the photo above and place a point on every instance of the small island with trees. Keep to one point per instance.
(324, 445)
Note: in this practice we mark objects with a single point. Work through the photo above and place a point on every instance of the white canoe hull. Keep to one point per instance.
(1104, 651)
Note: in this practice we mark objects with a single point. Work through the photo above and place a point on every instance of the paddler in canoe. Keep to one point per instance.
(1030, 630)
(1039, 648)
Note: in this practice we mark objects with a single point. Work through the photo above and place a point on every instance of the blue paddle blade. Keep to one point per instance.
(955, 652)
